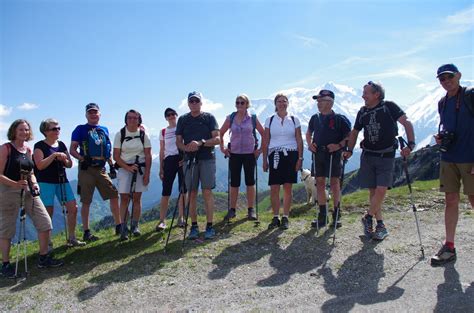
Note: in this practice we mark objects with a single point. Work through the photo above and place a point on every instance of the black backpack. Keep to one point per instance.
(128, 138)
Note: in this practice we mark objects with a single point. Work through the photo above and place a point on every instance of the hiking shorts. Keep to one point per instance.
(452, 174)
(171, 168)
(322, 160)
(236, 161)
(48, 191)
(90, 179)
(376, 171)
(285, 172)
(203, 171)
(10, 207)
(124, 179)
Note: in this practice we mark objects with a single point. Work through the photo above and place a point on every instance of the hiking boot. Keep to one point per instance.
(47, 261)
(73, 242)
(251, 216)
(193, 232)
(444, 255)
(210, 233)
(160, 227)
(284, 223)
(8, 271)
(319, 222)
(124, 237)
(381, 232)
(118, 228)
(181, 223)
(275, 223)
(136, 231)
(368, 226)
(89, 237)
(339, 224)
(230, 215)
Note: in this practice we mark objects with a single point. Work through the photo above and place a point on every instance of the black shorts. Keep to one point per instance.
(236, 162)
(321, 164)
(285, 172)
(170, 169)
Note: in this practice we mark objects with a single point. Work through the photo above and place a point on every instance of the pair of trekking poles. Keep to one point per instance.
(133, 187)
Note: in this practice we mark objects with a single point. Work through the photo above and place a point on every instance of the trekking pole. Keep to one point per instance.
(62, 181)
(341, 182)
(313, 170)
(257, 222)
(133, 186)
(191, 165)
(228, 185)
(405, 168)
(181, 195)
(22, 217)
(328, 187)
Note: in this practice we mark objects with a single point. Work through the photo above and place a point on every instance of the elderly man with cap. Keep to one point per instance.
(94, 152)
(326, 136)
(197, 133)
(171, 163)
(378, 118)
(456, 140)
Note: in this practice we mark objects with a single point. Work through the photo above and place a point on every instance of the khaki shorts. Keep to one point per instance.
(10, 206)
(451, 175)
(95, 177)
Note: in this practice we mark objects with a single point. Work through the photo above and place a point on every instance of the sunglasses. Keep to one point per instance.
(56, 129)
(240, 102)
(194, 100)
(446, 77)
(132, 118)
(171, 114)
(375, 86)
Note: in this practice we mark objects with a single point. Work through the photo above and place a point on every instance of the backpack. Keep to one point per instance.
(468, 93)
(128, 138)
(97, 146)
(337, 122)
(254, 123)
(271, 121)
(386, 111)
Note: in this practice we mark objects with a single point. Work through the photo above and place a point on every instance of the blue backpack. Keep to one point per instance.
(97, 147)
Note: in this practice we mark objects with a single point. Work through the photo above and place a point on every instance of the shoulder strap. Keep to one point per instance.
(469, 99)
(122, 136)
(271, 121)
(163, 131)
(142, 137)
(231, 118)
(254, 121)
(293, 119)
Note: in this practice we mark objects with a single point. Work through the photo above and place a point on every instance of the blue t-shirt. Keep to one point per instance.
(462, 149)
(327, 129)
(80, 134)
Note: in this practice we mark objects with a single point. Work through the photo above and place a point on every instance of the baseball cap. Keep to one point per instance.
(92, 106)
(194, 94)
(170, 110)
(324, 93)
(446, 69)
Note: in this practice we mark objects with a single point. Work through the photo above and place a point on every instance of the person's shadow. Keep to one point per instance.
(357, 281)
(451, 297)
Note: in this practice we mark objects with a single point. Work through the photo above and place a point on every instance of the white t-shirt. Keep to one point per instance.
(133, 147)
(282, 135)
(170, 141)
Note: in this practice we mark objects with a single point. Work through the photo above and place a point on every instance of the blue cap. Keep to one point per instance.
(194, 94)
(92, 106)
(446, 69)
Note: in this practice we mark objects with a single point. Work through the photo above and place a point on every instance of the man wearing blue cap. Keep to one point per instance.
(197, 133)
(456, 140)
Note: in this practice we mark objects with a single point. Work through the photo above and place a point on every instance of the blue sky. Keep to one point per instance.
(56, 56)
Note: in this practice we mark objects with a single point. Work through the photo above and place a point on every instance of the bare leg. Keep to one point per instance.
(234, 193)
(250, 196)
(451, 214)
(192, 205)
(275, 198)
(114, 208)
(5, 245)
(209, 204)
(287, 198)
(137, 206)
(85, 215)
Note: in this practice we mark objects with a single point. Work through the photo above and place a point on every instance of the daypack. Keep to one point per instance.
(254, 123)
(337, 122)
(386, 111)
(128, 138)
(97, 146)
(468, 93)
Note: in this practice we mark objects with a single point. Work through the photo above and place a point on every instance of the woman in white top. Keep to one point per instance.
(282, 149)
(132, 152)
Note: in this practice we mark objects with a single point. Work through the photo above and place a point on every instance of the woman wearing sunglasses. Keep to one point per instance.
(242, 151)
(51, 160)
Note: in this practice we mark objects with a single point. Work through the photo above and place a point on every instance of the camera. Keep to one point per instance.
(447, 139)
(84, 164)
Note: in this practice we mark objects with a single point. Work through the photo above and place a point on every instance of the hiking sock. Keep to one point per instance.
(323, 210)
(449, 244)
(285, 216)
(380, 223)
(87, 231)
(209, 225)
(277, 216)
(134, 223)
(194, 224)
(5, 264)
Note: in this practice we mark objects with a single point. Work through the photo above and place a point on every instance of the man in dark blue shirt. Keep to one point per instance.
(326, 136)
(456, 139)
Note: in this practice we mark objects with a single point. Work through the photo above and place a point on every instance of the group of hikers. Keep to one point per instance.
(30, 180)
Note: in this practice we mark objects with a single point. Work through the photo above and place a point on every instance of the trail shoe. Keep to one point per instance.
(124, 233)
(160, 227)
(193, 232)
(230, 215)
(118, 227)
(444, 255)
(320, 221)
(210, 232)
(8, 271)
(339, 223)
(89, 237)
(124, 237)
(73, 242)
(284, 223)
(251, 216)
(136, 231)
(368, 226)
(47, 261)
(275, 223)
(381, 232)
(181, 223)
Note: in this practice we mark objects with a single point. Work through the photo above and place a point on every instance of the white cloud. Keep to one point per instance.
(309, 41)
(28, 106)
(4, 110)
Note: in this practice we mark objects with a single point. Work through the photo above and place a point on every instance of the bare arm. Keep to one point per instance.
(162, 158)
(265, 143)
(299, 144)
(351, 143)
(225, 127)
(410, 135)
(74, 152)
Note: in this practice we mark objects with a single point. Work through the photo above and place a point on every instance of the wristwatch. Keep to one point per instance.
(411, 145)
(300, 158)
